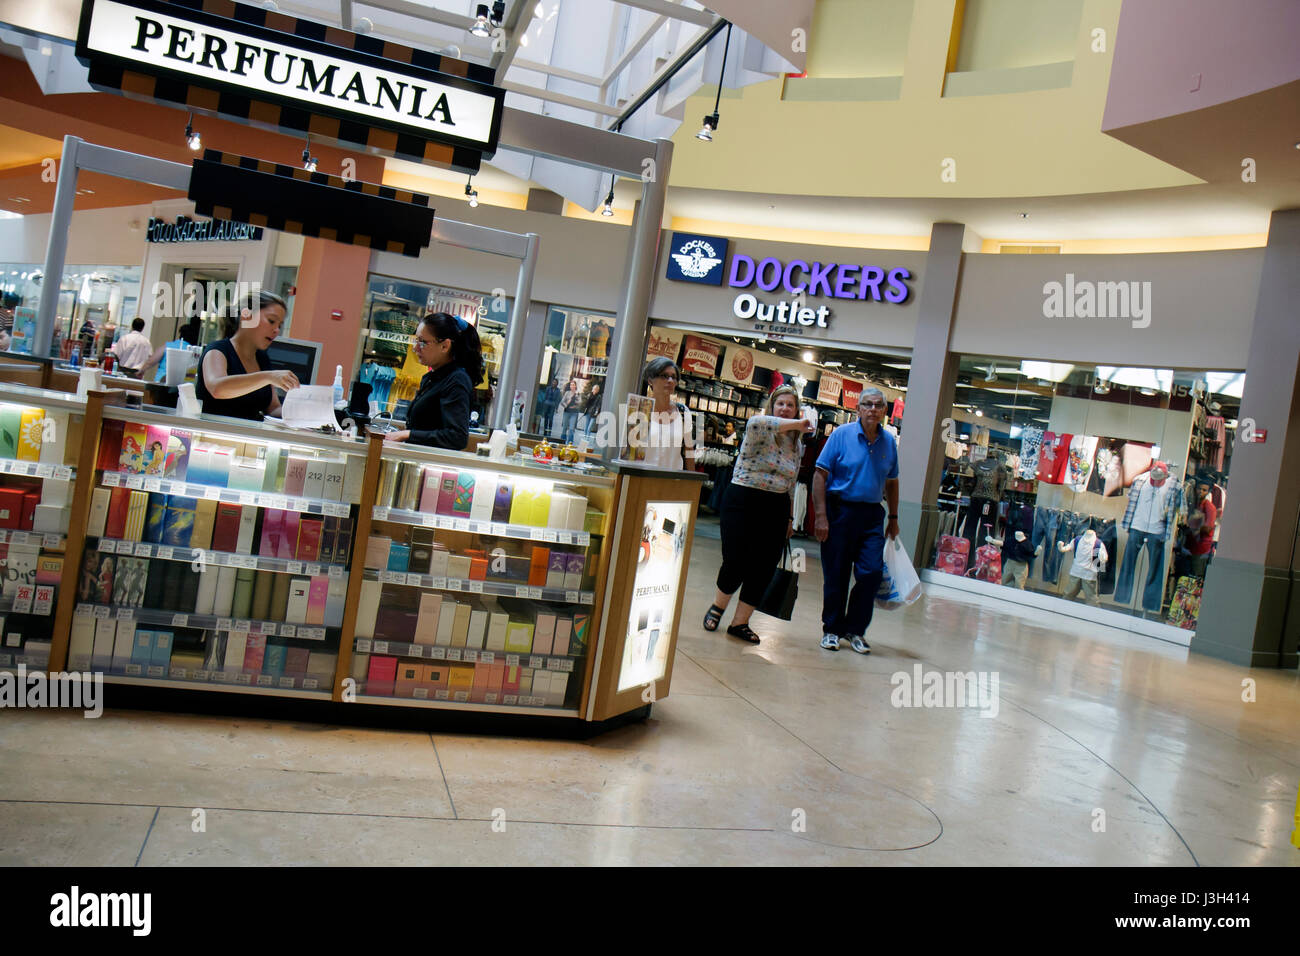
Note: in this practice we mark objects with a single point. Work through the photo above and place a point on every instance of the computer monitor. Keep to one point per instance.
(295, 356)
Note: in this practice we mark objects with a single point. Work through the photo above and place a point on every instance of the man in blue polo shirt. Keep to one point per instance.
(857, 468)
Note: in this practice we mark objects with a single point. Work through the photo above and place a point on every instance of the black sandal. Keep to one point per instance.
(744, 632)
(713, 616)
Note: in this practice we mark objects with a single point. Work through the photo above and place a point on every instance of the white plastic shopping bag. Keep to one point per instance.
(899, 585)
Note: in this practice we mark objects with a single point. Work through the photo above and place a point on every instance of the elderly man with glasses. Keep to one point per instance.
(857, 468)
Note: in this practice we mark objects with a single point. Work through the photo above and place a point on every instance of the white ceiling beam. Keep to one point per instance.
(562, 73)
(631, 52)
(421, 12)
(574, 143)
(553, 97)
(665, 8)
(516, 26)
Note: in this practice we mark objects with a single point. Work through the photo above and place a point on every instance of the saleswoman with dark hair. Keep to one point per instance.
(225, 385)
(439, 413)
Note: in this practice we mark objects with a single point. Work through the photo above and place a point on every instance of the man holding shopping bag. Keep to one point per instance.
(857, 468)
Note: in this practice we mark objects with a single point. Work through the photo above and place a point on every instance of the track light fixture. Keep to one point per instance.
(482, 27)
(192, 138)
(711, 121)
(498, 12)
(608, 209)
(471, 193)
(308, 161)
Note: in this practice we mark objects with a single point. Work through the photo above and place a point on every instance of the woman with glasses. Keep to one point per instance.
(439, 413)
(756, 519)
(670, 443)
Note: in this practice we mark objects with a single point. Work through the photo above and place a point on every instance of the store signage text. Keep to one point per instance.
(832, 279)
(221, 53)
(185, 229)
(747, 306)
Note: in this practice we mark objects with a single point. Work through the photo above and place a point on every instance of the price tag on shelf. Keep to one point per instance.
(510, 700)
(135, 481)
(4, 536)
(244, 625)
(212, 494)
(490, 698)
(437, 583)
(336, 571)
(550, 536)
(63, 472)
(498, 528)
(221, 677)
(583, 538)
(200, 674)
(248, 498)
(363, 645)
(316, 634)
(476, 527)
(243, 678)
(476, 587)
(536, 662)
(143, 550)
(19, 537)
(313, 570)
(455, 584)
(288, 630)
(279, 502)
(286, 683)
(152, 484)
(225, 624)
(487, 657)
(387, 577)
(420, 693)
(313, 507)
(180, 620)
(107, 545)
(380, 513)
(445, 524)
(111, 479)
(265, 680)
(438, 653)
(512, 660)
(338, 510)
(310, 683)
(85, 610)
(588, 598)
(249, 561)
(126, 614)
(229, 497)
(442, 695)
(571, 597)
(102, 611)
(134, 670)
(381, 647)
(157, 670)
(453, 653)
(195, 491)
(179, 673)
(294, 567)
(536, 534)
(534, 593)
(415, 650)
(163, 552)
(471, 656)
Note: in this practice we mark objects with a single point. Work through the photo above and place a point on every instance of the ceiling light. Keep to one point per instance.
(539, 10)
(481, 27)
(498, 12)
(1024, 215)
(471, 194)
(608, 209)
(308, 160)
(523, 39)
(365, 25)
(979, 413)
(47, 50)
(19, 199)
(809, 357)
(452, 51)
(772, 349)
(711, 121)
(706, 131)
(192, 137)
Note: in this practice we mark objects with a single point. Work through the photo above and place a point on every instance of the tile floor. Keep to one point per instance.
(778, 754)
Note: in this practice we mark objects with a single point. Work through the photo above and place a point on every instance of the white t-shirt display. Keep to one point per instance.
(667, 431)
(1084, 565)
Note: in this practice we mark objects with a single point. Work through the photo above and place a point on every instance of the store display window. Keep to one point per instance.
(1101, 484)
(386, 359)
(95, 305)
(575, 361)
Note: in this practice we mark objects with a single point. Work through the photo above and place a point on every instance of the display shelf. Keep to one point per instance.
(209, 622)
(239, 427)
(490, 588)
(311, 686)
(459, 700)
(494, 529)
(216, 559)
(262, 499)
(11, 659)
(48, 540)
(32, 469)
(468, 655)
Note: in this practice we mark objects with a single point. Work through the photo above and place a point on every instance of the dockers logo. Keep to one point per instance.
(742, 364)
(697, 258)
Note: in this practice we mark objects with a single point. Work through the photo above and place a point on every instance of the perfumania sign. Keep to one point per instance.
(172, 42)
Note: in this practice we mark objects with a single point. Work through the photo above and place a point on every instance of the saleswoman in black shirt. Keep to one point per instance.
(439, 413)
(224, 385)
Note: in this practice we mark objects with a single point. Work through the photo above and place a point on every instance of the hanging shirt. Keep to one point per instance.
(1053, 456)
(1083, 449)
(1031, 440)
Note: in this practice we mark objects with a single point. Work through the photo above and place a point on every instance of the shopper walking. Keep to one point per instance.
(670, 442)
(756, 520)
(858, 467)
(570, 405)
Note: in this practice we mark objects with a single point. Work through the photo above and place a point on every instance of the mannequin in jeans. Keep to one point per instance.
(1016, 555)
(1152, 502)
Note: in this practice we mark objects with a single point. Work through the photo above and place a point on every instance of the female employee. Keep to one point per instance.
(671, 443)
(756, 501)
(439, 413)
(224, 385)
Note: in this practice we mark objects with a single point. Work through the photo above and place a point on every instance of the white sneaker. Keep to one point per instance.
(830, 642)
(859, 645)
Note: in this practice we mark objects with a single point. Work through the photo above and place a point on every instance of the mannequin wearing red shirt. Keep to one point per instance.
(1204, 543)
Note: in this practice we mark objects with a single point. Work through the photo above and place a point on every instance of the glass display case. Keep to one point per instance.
(40, 439)
(481, 582)
(218, 552)
(385, 357)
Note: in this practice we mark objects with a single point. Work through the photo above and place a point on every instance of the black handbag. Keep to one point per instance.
(782, 591)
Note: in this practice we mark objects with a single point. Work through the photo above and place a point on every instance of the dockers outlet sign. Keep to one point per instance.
(312, 70)
(702, 259)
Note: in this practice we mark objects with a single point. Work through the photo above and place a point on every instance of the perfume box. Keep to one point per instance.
(510, 680)
(498, 621)
(478, 621)
(317, 595)
(460, 626)
(335, 601)
(296, 660)
(503, 503)
(299, 591)
(538, 565)
(101, 656)
(354, 473)
(434, 676)
(438, 559)
(313, 484)
(295, 475)
(399, 556)
(447, 493)
(142, 650)
(205, 520)
(98, 516)
(460, 677)
(272, 521)
(123, 646)
(446, 622)
(426, 628)
(382, 668)
(575, 565)
(519, 637)
(247, 530)
(485, 490)
(162, 648)
(478, 690)
(432, 478)
(563, 631)
(309, 532)
(289, 523)
(463, 501)
(458, 567)
(274, 660)
(368, 608)
(236, 645)
(225, 528)
(559, 562)
(544, 634)
(377, 548)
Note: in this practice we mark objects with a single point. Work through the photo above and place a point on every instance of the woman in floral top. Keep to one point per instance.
(756, 517)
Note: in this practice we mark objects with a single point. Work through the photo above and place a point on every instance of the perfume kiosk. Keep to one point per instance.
(204, 555)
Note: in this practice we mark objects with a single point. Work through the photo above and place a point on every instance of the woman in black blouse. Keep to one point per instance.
(439, 413)
(225, 385)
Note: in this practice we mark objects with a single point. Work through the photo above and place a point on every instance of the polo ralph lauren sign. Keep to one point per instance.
(279, 72)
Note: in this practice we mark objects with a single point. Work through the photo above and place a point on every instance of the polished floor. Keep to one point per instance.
(1106, 748)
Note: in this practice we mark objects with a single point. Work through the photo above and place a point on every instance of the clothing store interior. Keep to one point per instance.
(1095, 483)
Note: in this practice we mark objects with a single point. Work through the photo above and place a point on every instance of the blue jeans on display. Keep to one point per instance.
(855, 547)
(1153, 593)
(570, 425)
(1108, 534)
(1049, 526)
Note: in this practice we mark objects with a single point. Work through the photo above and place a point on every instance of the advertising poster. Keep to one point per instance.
(829, 387)
(739, 367)
(852, 392)
(700, 356)
(654, 593)
(664, 342)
